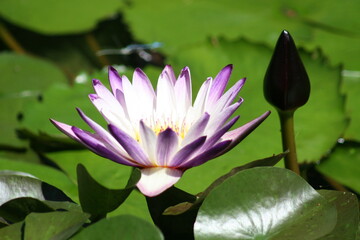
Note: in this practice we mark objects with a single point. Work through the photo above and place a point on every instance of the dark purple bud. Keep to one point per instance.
(286, 83)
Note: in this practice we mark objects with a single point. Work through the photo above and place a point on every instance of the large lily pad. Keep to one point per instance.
(58, 17)
(23, 79)
(269, 203)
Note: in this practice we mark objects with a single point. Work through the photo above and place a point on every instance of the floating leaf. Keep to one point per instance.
(347, 214)
(185, 206)
(351, 87)
(312, 24)
(46, 174)
(265, 203)
(23, 79)
(343, 165)
(34, 16)
(53, 225)
(17, 209)
(12, 232)
(16, 184)
(120, 227)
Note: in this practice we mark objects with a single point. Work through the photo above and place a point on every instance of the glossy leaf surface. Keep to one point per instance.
(16, 184)
(270, 203)
(347, 214)
(44, 173)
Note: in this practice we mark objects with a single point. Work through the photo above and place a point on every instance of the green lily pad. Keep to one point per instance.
(53, 225)
(16, 184)
(314, 133)
(343, 165)
(60, 17)
(12, 232)
(23, 79)
(17, 209)
(351, 87)
(312, 24)
(120, 227)
(347, 214)
(46, 174)
(269, 203)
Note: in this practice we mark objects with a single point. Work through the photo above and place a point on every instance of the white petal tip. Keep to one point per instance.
(156, 180)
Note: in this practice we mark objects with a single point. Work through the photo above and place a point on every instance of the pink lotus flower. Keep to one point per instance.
(163, 133)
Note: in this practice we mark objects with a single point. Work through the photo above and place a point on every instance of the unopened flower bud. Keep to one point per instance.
(286, 83)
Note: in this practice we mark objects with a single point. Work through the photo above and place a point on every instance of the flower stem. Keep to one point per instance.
(95, 47)
(10, 40)
(288, 140)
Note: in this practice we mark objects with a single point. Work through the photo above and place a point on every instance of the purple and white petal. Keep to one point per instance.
(144, 91)
(115, 80)
(218, 120)
(148, 142)
(240, 133)
(104, 135)
(226, 99)
(183, 93)
(65, 129)
(165, 98)
(105, 94)
(219, 85)
(200, 100)
(196, 129)
(131, 146)
(214, 138)
(166, 146)
(111, 115)
(187, 152)
(209, 154)
(156, 180)
(168, 74)
(95, 144)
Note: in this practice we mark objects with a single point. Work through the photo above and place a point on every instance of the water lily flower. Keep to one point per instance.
(162, 132)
